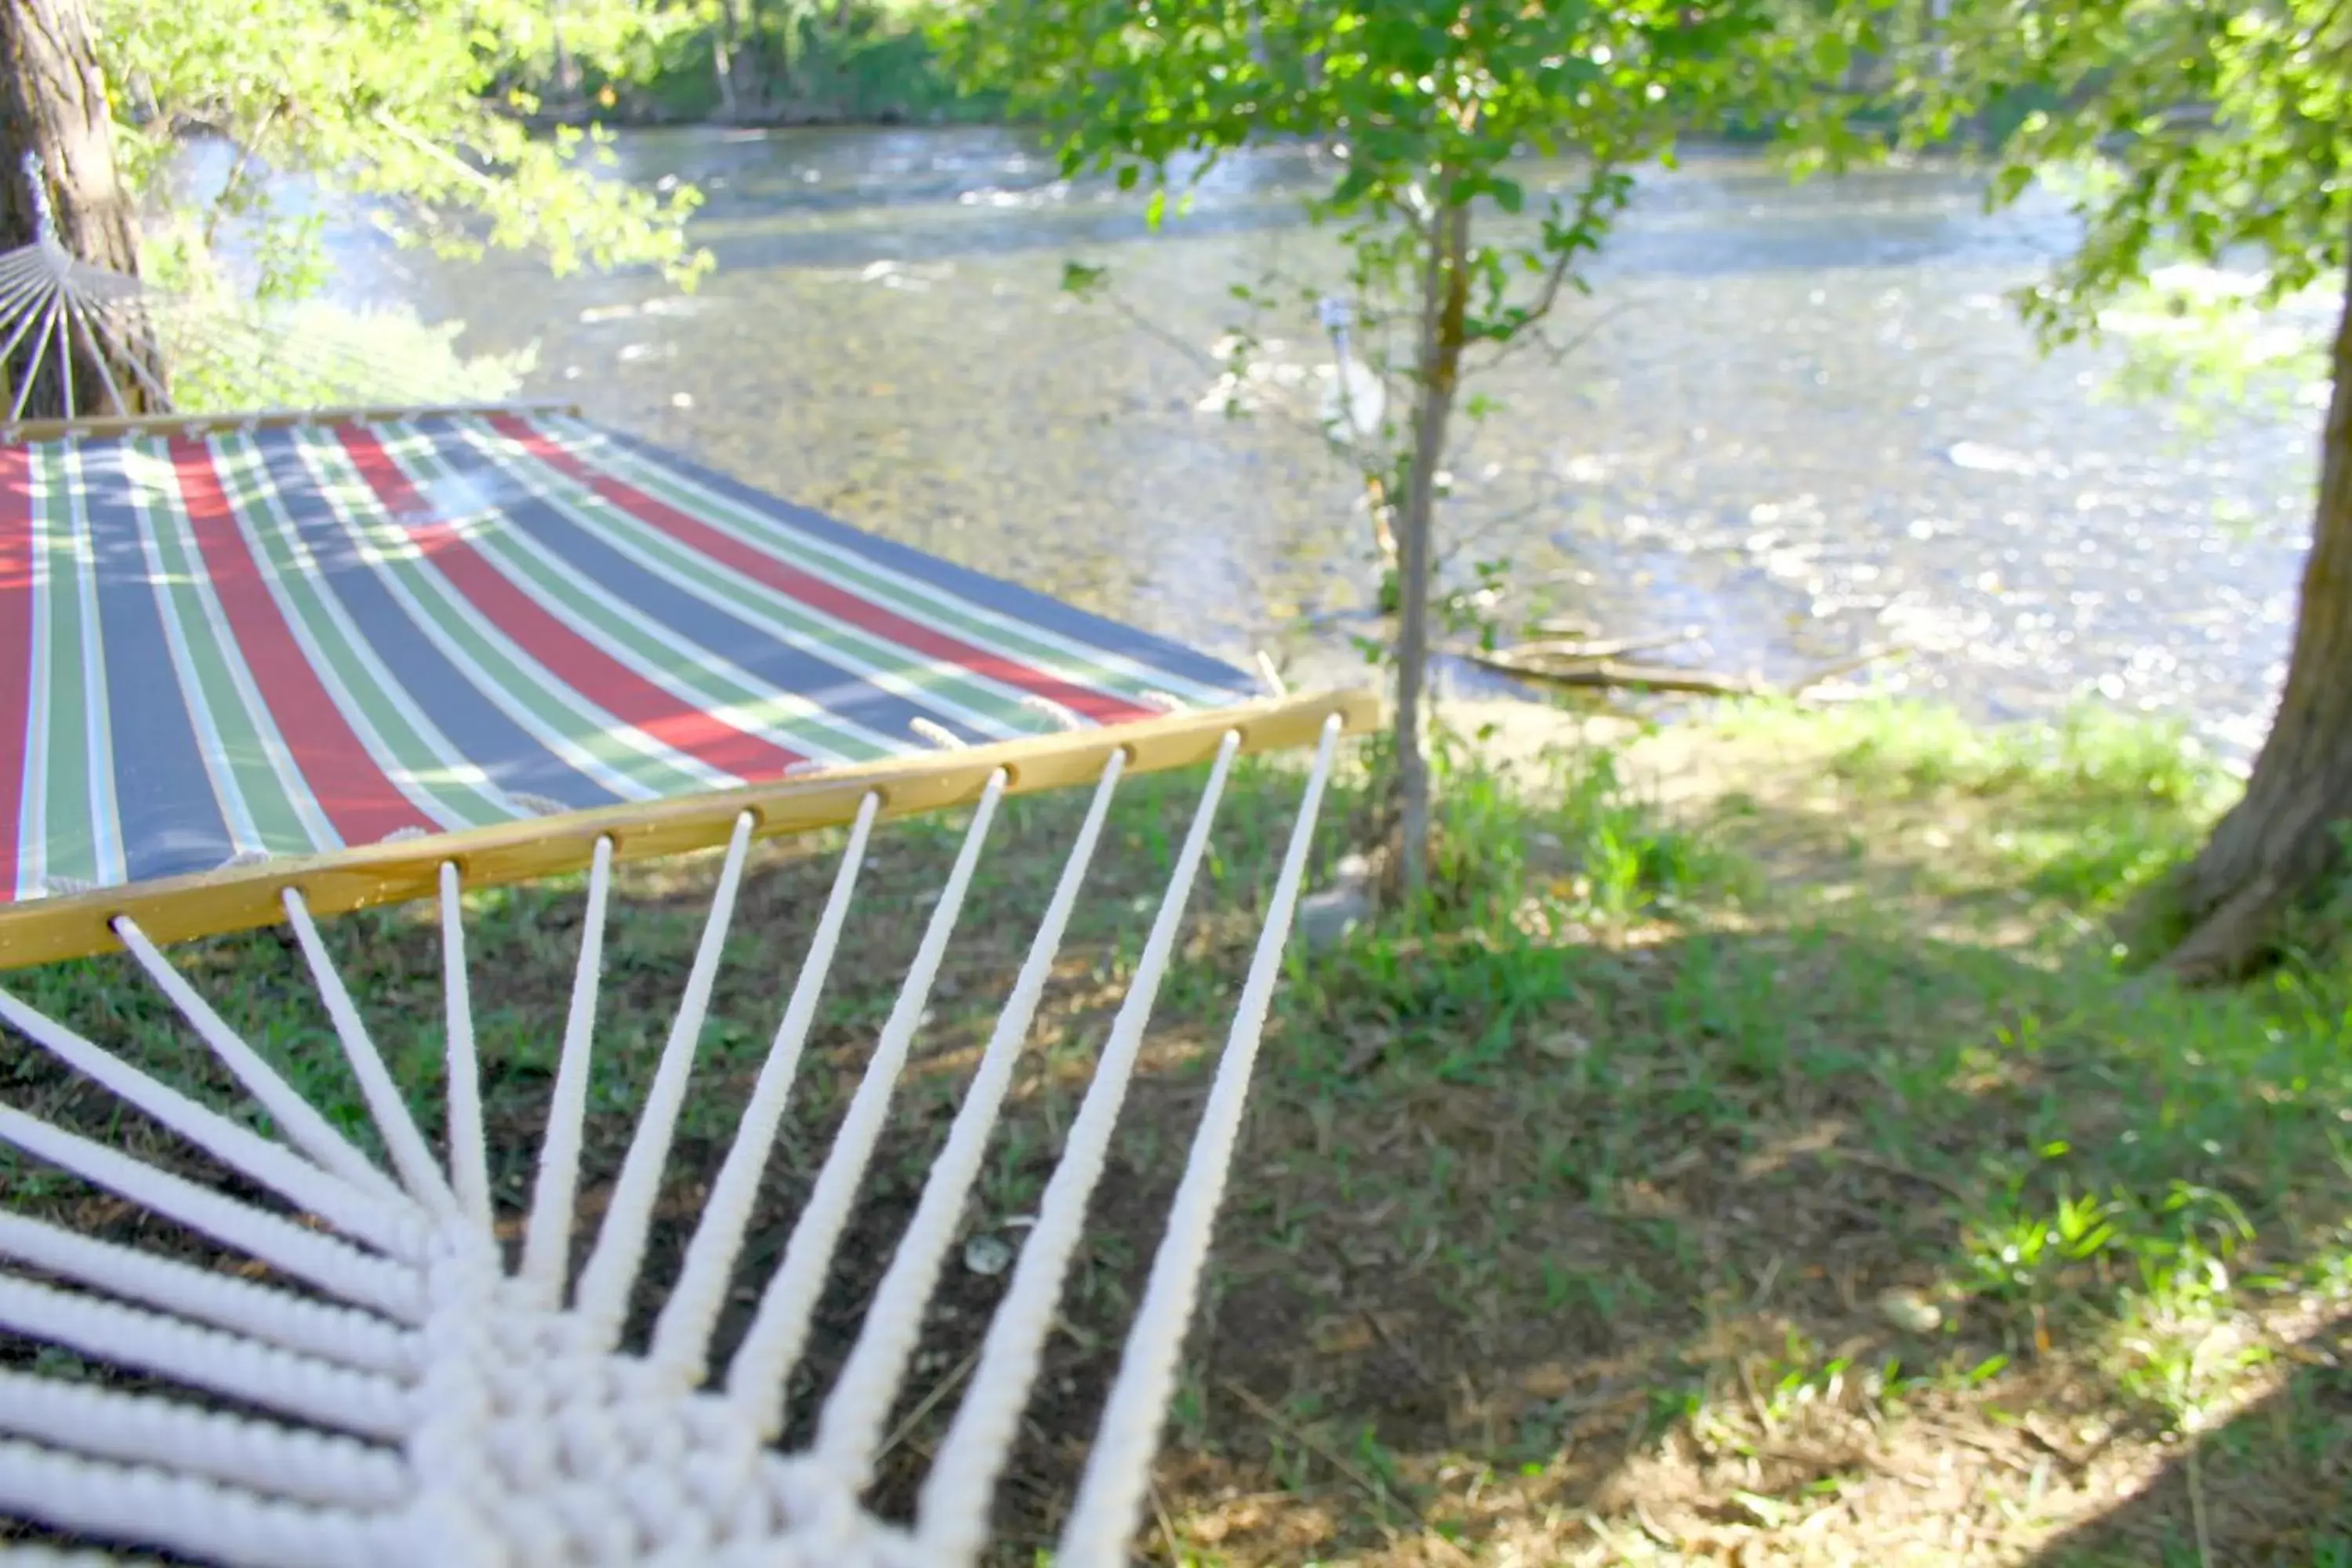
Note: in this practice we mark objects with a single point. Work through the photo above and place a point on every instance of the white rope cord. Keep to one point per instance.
(1061, 715)
(681, 1339)
(418, 1171)
(851, 1425)
(469, 1156)
(39, 273)
(204, 1518)
(27, 291)
(92, 321)
(43, 301)
(327, 1262)
(80, 315)
(439, 1409)
(21, 307)
(602, 1297)
(65, 308)
(289, 1462)
(340, 1334)
(22, 270)
(952, 1515)
(771, 1346)
(61, 314)
(35, 311)
(50, 312)
(302, 1120)
(206, 1358)
(547, 1238)
(278, 1169)
(17, 335)
(1119, 1470)
(307, 369)
(22, 293)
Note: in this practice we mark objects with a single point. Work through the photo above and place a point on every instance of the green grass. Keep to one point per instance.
(1793, 1172)
(2090, 806)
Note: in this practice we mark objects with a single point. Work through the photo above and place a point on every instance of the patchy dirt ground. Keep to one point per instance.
(1750, 1167)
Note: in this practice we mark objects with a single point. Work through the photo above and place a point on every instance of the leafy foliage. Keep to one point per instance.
(328, 357)
(2201, 343)
(1426, 104)
(802, 60)
(2211, 132)
(2203, 131)
(392, 102)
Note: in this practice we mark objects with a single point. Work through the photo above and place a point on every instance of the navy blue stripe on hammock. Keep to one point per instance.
(719, 630)
(509, 756)
(1008, 599)
(169, 820)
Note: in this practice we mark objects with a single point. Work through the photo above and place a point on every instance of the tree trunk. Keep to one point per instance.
(742, 84)
(53, 104)
(1444, 302)
(567, 69)
(722, 61)
(2279, 842)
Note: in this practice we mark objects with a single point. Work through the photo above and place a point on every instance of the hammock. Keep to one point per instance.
(267, 669)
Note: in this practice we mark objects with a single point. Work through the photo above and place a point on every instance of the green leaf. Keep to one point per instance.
(1509, 196)
(1832, 56)
(403, 104)
(2010, 183)
(1353, 187)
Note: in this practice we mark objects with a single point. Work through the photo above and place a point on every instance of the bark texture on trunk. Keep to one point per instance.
(743, 76)
(1444, 304)
(2280, 842)
(53, 103)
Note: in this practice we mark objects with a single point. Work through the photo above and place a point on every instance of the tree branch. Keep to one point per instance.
(1597, 185)
(1554, 353)
(1204, 360)
(246, 146)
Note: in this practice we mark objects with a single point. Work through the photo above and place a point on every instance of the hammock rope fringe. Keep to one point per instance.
(681, 1336)
(60, 310)
(415, 647)
(428, 1405)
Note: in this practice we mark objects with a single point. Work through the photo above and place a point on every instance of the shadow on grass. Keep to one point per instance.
(1728, 1234)
(1628, 1208)
(2245, 1496)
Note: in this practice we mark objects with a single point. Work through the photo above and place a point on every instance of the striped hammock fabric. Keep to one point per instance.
(288, 641)
(277, 654)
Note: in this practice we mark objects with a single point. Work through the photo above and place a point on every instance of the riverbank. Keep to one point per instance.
(853, 62)
(1758, 1153)
(859, 62)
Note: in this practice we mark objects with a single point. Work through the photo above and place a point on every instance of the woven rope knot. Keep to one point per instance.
(539, 1449)
(440, 1409)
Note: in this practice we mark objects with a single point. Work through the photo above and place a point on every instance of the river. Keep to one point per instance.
(1800, 420)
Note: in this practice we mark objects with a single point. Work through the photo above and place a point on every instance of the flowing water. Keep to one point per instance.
(1800, 420)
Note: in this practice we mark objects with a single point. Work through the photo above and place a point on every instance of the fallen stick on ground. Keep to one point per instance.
(1565, 626)
(1616, 675)
(1582, 647)
(1847, 666)
(1613, 675)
